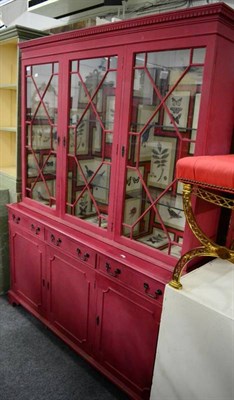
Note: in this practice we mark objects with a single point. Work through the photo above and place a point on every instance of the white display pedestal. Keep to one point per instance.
(195, 353)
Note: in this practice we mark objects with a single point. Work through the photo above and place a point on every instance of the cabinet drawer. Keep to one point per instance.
(145, 285)
(26, 222)
(74, 248)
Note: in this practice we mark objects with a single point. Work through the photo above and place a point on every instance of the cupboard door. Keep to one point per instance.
(27, 269)
(164, 113)
(127, 330)
(93, 99)
(70, 295)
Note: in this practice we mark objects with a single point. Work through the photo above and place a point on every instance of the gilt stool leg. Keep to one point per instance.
(209, 248)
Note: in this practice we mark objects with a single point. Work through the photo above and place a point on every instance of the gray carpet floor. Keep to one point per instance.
(36, 365)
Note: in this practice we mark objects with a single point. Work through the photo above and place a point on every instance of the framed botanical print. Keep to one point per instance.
(178, 106)
(163, 155)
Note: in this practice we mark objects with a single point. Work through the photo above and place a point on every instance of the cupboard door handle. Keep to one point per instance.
(32, 227)
(116, 272)
(38, 230)
(157, 292)
(52, 238)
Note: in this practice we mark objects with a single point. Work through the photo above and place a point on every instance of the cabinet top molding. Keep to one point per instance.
(208, 13)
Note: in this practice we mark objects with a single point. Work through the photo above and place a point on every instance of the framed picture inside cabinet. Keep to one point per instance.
(133, 181)
(195, 121)
(100, 183)
(132, 211)
(43, 192)
(33, 164)
(84, 205)
(143, 87)
(147, 136)
(157, 238)
(81, 133)
(172, 213)
(163, 155)
(41, 136)
(49, 164)
(178, 107)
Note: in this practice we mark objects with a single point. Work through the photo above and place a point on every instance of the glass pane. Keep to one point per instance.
(41, 130)
(199, 56)
(166, 95)
(90, 130)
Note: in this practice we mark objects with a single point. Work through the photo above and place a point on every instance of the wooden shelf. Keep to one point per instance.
(9, 171)
(8, 129)
(8, 86)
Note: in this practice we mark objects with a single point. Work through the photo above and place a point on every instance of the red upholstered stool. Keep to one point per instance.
(206, 177)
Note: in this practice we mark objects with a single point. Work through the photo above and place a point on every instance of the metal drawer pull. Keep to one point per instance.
(56, 242)
(85, 257)
(116, 272)
(37, 230)
(157, 292)
(16, 219)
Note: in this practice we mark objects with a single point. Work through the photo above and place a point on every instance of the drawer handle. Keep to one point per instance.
(157, 292)
(116, 272)
(85, 257)
(36, 230)
(16, 219)
(54, 241)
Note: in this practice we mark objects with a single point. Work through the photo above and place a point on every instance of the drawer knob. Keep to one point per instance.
(116, 272)
(157, 292)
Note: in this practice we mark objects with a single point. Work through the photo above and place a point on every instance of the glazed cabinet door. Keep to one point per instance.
(28, 282)
(70, 297)
(40, 132)
(127, 330)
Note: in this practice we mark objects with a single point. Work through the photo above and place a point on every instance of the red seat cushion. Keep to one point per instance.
(208, 170)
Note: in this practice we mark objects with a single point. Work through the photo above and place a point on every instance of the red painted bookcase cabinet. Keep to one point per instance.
(106, 112)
